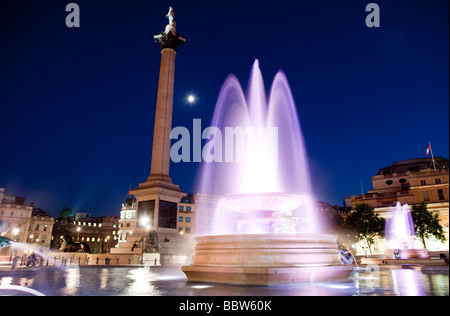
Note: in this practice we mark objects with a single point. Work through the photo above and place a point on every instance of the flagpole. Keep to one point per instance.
(432, 157)
(433, 161)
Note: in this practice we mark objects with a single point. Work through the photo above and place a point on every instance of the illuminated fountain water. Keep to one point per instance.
(401, 243)
(265, 230)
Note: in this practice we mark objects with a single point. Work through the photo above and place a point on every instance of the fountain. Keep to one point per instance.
(401, 243)
(265, 230)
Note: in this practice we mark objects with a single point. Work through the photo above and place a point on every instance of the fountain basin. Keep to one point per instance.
(266, 259)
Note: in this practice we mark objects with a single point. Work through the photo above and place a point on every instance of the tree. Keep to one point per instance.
(365, 224)
(426, 223)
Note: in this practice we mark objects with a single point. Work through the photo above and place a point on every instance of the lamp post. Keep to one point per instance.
(144, 223)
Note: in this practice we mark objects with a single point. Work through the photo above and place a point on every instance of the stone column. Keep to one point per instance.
(169, 42)
(163, 115)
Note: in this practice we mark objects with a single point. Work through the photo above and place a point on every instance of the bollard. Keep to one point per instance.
(14, 263)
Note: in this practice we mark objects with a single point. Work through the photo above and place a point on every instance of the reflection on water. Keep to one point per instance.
(87, 281)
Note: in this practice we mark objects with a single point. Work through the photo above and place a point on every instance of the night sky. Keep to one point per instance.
(77, 104)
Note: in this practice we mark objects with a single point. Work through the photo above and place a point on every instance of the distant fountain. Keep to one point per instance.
(265, 230)
(401, 242)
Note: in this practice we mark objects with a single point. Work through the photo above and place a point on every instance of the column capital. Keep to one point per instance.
(168, 40)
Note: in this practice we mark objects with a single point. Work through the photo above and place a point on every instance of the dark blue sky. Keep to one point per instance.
(77, 104)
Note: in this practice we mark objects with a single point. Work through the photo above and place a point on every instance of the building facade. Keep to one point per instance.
(100, 233)
(24, 223)
(411, 182)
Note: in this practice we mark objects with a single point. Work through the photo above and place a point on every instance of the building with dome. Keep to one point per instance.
(411, 182)
(67, 212)
(100, 233)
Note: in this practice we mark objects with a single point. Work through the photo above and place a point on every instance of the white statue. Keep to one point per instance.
(171, 27)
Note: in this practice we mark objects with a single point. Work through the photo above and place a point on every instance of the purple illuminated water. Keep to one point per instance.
(400, 228)
(263, 161)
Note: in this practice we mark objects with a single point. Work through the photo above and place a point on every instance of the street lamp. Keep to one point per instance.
(144, 223)
(15, 233)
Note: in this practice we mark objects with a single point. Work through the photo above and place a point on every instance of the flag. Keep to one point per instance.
(428, 150)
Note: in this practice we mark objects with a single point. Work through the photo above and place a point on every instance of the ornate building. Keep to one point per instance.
(24, 222)
(100, 233)
(411, 182)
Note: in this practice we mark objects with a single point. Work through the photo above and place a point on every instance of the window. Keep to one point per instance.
(188, 219)
(188, 230)
(45, 228)
(441, 194)
(36, 227)
(425, 196)
(438, 181)
(423, 182)
(180, 208)
(389, 182)
(180, 219)
(188, 208)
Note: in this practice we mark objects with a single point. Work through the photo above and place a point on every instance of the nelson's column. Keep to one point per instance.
(157, 197)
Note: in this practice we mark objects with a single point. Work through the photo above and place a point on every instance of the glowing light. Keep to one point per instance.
(191, 99)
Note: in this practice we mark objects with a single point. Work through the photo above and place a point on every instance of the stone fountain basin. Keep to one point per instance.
(263, 202)
(266, 250)
(265, 259)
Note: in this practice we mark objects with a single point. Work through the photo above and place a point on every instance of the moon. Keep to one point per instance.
(191, 99)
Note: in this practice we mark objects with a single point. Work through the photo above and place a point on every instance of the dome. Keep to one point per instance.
(67, 212)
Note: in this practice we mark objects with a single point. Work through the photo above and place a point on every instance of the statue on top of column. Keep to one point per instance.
(171, 27)
(169, 38)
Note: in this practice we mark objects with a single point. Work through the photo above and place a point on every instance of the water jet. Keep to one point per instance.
(265, 231)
